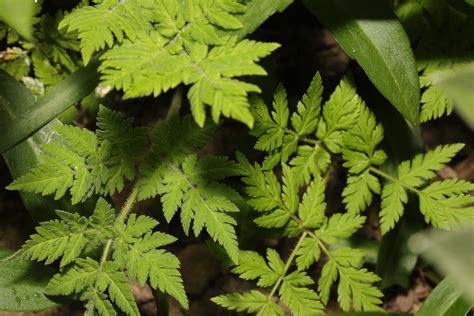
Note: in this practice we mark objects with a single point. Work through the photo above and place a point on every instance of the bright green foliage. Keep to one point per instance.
(99, 25)
(310, 157)
(293, 291)
(164, 43)
(250, 302)
(345, 126)
(441, 202)
(85, 162)
(136, 256)
(340, 113)
(151, 66)
(277, 137)
(282, 207)
(340, 226)
(137, 249)
(191, 188)
(128, 145)
(360, 153)
(434, 104)
(447, 203)
(359, 191)
(355, 288)
(189, 184)
(69, 236)
(173, 141)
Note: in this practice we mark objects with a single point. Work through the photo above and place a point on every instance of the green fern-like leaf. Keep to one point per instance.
(86, 163)
(312, 207)
(170, 145)
(305, 120)
(128, 145)
(251, 301)
(76, 278)
(253, 266)
(300, 299)
(190, 186)
(359, 191)
(308, 253)
(262, 186)
(394, 197)
(423, 166)
(100, 25)
(355, 289)
(270, 127)
(180, 52)
(340, 226)
(363, 138)
(69, 236)
(434, 104)
(311, 161)
(339, 114)
(137, 250)
(447, 206)
(118, 288)
(94, 280)
(136, 256)
(99, 303)
(342, 113)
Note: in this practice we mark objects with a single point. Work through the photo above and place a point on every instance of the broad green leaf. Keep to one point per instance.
(445, 300)
(19, 15)
(17, 127)
(371, 34)
(452, 253)
(22, 284)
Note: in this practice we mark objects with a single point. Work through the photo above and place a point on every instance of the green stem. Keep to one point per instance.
(285, 269)
(393, 179)
(127, 207)
(105, 253)
(311, 141)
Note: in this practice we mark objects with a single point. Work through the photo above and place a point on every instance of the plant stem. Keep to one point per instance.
(393, 179)
(106, 251)
(311, 141)
(127, 207)
(286, 268)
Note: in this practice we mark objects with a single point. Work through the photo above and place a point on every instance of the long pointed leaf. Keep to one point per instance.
(14, 100)
(445, 300)
(22, 284)
(14, 128)
(370, 33)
